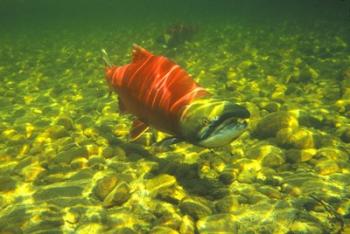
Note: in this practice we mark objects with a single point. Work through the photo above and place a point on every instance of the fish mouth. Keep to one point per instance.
(223, 130)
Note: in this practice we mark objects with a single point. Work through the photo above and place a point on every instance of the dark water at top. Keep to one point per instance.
(108, 13)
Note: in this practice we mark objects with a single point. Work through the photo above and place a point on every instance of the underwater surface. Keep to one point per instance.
(67, 164)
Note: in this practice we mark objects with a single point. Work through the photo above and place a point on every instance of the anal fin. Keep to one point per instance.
(137, 129)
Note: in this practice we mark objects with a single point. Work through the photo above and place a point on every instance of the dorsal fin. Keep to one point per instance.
(139, 53)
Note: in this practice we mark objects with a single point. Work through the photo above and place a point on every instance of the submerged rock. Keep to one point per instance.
(160, 183)
(220, 223)
(272, 123)
(45, 194)
(187, 225)
(119, 195)
(7, 183)
(163, 230)
(104, 186)
(345, 135)
(195, 207)
(273, 159)
(299, 138)
(327, 167)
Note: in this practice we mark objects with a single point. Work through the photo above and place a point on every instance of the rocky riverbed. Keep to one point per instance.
(66, 165)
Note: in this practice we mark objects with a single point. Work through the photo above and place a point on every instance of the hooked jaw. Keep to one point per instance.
(224, 128)
(210, 122)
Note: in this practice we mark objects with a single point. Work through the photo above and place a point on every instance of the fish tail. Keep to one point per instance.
(106, 58)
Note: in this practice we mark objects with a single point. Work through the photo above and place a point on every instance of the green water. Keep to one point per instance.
(66, 165)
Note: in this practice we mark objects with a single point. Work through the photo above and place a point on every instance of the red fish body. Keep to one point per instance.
(154, 89)
(163, 95)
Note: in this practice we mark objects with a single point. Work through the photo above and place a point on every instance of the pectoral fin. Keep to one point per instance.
(122, 108)
(138, 127)
(166, 142)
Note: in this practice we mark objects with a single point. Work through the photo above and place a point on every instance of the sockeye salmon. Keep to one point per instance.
(159, 93)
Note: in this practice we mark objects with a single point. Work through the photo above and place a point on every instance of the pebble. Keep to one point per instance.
(269, 125)
(195, 207)
(163, 230)
(119, 195)
(91, 228)
(297, 156)
(44, 194)
(295, 138)
(228, 204)
(273, 160)
(187, 225)
(104, 186)
(219, 223)
(57, 131)
(159, 183)
(327, 167)
(68, 155)
(66, 122)
(7, 183)
(345, 135)
(331, 153)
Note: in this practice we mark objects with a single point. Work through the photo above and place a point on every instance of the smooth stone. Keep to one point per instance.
(7, 183)
(247, 176)
(122, 230)
(295, 138)
(95, 161)
(16, 215)
(273, 160)
(173, 194)
(104, 186)
(228, 204)
(345, 135)
(79, 163)
(228, 175)
(16, 139)
(66, 122)
(187, 225)
(219, 223)
(160, 183)
(311, 120)
(11, 230)
(163, 230)
(272, 106)
(270, 192)
(195, 207)
(68, 155)
(344, 208)
(331, 154)
(167, 215)
(47, 225)
(304, 75)
(296, 156)
(269, 125)
(57, 131)
(327, 167)
(304, 227)
(119, 152)
(45, 194)
(64, 202)
(90, 228)
(84, 174)
(108, 152)
(119, 195)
